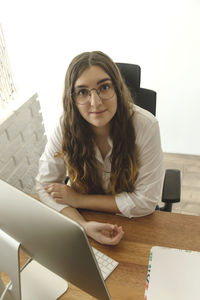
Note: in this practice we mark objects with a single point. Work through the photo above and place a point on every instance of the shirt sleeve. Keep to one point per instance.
(148, 185)
(51, 169)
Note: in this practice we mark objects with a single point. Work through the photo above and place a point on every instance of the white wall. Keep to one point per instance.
(161, 36)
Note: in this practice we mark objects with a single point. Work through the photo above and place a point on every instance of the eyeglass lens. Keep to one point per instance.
(83, 95)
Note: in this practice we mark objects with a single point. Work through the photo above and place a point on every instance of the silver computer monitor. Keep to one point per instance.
(53, 240)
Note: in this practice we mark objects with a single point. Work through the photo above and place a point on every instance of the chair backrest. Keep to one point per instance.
(145, 98)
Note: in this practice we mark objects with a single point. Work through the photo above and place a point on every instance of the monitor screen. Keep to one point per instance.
(53, 240)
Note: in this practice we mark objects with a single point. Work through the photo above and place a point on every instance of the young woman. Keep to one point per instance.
(108, 147)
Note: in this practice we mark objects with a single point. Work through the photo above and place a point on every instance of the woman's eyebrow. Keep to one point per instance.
(103, 80)
(80, 86)
(98, 82)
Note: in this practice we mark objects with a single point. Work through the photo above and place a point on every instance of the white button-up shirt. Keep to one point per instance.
(148, 185)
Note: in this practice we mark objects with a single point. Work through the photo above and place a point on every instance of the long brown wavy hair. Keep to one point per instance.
(78, 137)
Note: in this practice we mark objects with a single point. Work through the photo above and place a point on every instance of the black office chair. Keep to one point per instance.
(146, 99)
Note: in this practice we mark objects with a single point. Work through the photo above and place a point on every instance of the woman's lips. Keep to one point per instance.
(98, 112)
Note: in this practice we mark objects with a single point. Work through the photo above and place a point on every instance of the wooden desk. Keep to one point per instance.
(127, 282)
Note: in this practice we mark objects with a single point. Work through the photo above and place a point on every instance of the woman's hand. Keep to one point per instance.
(63, 194)
(104, 233)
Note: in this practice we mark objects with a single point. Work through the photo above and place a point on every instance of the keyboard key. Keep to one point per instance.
(106, 263)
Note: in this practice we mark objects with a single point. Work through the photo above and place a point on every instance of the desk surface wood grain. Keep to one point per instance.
(162, 229)
(127, 282)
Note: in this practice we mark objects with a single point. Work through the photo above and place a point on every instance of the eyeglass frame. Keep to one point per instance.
(98, 93)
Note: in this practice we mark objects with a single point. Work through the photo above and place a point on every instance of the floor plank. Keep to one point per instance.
(190, 181)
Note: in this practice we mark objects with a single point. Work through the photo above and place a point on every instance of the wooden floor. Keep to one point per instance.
(190, 181)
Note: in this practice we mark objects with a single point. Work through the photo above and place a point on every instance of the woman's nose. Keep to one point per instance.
(95, 100)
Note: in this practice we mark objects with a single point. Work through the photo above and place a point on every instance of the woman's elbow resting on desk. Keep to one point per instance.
(138, 214)
(138, 207)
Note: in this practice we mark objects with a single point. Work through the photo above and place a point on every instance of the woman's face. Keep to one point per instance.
(98, 110)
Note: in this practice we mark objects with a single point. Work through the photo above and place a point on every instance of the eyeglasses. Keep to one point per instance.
(105, 92)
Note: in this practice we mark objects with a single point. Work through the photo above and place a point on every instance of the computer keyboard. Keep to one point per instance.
(106, 264)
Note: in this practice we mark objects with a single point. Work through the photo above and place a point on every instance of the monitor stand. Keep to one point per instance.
(32, 282)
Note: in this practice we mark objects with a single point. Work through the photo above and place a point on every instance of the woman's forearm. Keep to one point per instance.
(73, 214)
(64, 194)
(104, 203)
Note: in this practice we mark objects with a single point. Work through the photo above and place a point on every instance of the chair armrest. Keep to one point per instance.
(172, 186)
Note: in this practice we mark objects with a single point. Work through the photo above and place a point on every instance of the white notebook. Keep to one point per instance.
(173, 274)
